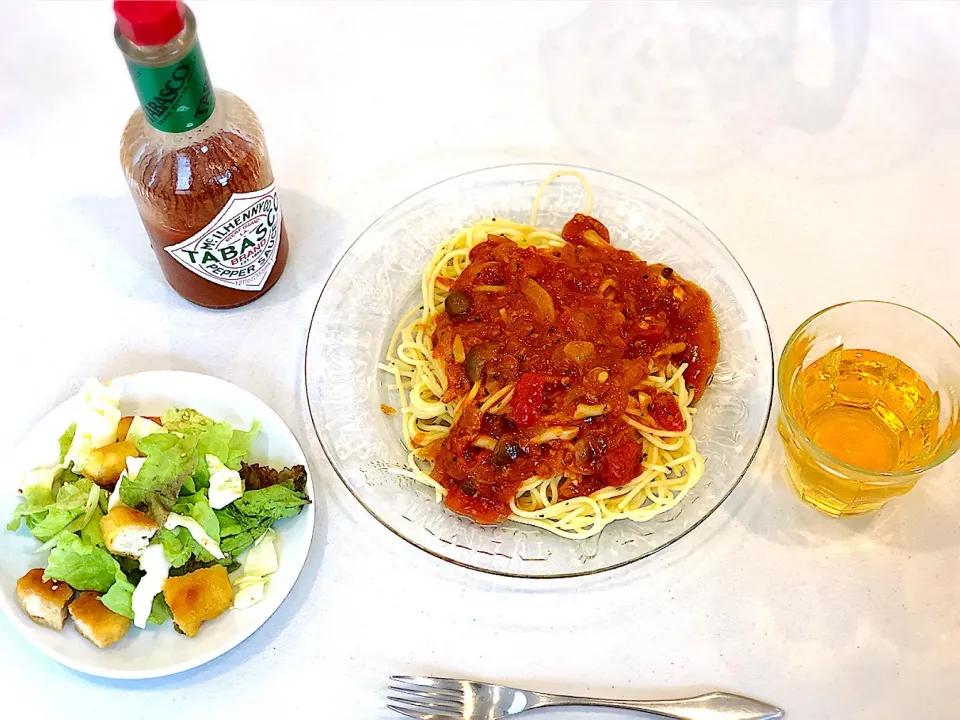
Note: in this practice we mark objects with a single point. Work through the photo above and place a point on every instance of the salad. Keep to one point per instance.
(150, 518)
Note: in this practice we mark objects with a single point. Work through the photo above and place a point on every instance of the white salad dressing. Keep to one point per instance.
(157, 570)
(225, 484)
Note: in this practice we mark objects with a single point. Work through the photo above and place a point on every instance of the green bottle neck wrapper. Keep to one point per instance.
(176, 97)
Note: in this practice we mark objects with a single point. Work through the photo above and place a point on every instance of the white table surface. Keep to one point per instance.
(827, 180)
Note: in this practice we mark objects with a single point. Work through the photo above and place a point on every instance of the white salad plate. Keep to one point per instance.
(156, 651)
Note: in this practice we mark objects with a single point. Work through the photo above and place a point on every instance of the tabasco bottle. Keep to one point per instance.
(197, 165)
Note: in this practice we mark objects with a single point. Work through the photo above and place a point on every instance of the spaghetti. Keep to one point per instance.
(549, 378)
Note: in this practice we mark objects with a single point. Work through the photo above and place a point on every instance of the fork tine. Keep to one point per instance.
(432, 682)
(422, 691)
(419, 696)
(409, 713)
(424, 698)
(428, 704)
(417, 715)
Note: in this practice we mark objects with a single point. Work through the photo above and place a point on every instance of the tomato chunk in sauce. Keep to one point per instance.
(574, 330)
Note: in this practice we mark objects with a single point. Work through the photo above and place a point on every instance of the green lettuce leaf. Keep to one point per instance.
(40, 486)
(246, 519)
(198, 507)
(82, 566)
(119, 597)
(87, 567)
(201, 476)
(213, 438)
(170, 460)
(274, 502)
(91, 508)
(175, 548)
(185, 420)
(130, 568)
(36, 496)
(69, 477)
(241, 444)
(54, 523)
(160, 612)
(179, 547)
(66, 440)
(70, 511)
(36, 512)
(91, 532)
(233, 545)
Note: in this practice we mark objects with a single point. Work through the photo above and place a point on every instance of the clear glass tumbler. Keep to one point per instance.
(870, 401)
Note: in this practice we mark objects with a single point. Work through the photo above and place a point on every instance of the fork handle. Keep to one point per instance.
(712, 706)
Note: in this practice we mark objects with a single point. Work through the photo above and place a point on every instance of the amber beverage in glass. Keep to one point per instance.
(870, 401)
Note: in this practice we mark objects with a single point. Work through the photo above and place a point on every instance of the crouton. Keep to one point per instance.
(198, 596)
(123, 427)
(127, 531)
(96, 622)
(45, 602)
(106, 463)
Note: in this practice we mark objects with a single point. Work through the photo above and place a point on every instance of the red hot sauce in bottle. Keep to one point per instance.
(197, 165)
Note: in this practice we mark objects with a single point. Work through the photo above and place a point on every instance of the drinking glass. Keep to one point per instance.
(846, 360)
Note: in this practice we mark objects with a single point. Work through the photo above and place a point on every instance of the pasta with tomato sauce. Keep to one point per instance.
(549, 379)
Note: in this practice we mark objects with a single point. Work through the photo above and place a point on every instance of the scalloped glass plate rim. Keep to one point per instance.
(546, 168)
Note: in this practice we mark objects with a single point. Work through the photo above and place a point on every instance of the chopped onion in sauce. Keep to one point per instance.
(586, 411)
(540, 298)
(555, 433)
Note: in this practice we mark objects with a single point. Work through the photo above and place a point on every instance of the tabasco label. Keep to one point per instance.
(238, 249)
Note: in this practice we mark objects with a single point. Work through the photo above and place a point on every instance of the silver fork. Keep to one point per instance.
(430, 698)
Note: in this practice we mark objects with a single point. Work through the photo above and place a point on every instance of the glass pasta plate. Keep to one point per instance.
(377, 282)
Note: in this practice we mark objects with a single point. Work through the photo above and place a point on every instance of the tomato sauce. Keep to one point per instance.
(573, 328)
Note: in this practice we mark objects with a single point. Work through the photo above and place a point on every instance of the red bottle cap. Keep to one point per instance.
(149, 22)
